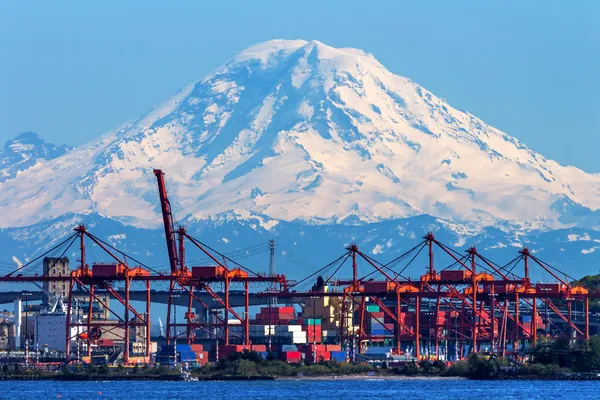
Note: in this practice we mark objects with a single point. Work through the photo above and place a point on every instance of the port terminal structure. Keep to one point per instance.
(472, 304)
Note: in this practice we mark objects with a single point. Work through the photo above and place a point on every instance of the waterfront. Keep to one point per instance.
(293, 389)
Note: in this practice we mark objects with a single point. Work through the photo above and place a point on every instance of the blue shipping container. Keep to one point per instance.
(167, 349)
(187, 356)
(339, 356)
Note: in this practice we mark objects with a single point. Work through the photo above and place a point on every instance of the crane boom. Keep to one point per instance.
(167, 219)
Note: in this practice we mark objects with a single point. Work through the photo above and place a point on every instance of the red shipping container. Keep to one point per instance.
(106, 342)
(321, 356)
(333, 347)
(207, 272)
(196, 348)
(379, 287)
(291, 356)
(455, 275)
(260, 348)
(308, 348)
(227, 350)
(202, 357)
(107, 270)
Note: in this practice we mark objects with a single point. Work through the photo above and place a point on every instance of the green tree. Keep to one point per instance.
(483, 367)
(459, 368)
(245, 367)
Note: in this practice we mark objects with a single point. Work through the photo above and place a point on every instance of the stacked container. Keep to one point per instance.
(275, 315)
(321, 351)
(375, 324)
(185, 353)
(314, 333)
(331, 335)
(263, 334)
(226, 350)
(527, 323)
(292, 357)
(294, 333)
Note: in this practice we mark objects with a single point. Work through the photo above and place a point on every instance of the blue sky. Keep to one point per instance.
(74, 70)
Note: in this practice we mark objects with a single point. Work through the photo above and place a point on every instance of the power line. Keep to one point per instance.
(43, 254)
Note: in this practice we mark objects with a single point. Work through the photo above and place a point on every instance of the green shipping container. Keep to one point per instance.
(310, 321)
(373, 308)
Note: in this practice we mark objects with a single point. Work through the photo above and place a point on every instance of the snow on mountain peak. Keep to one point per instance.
(295, 130)
(24, 151)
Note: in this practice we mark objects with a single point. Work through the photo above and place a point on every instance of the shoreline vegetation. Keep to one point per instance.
(549, 360)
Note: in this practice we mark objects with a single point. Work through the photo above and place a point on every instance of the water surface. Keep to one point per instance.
(417, 389)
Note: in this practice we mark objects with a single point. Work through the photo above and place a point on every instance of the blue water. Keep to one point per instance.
(306, 389)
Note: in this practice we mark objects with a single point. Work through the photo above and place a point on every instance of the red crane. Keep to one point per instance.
(167, 220)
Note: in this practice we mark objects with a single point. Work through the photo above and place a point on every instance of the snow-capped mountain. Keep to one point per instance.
(24, 151)
(297, 132)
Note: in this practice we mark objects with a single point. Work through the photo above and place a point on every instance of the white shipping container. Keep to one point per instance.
(288, 328)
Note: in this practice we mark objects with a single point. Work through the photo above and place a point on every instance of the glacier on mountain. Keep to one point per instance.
(297, 132)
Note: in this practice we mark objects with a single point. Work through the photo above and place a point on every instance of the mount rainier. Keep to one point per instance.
(315, 147)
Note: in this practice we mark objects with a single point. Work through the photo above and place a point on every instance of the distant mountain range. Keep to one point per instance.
(316, 147)
(25, 151)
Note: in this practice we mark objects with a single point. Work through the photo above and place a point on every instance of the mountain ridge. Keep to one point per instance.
(300, 131)
(24, 151)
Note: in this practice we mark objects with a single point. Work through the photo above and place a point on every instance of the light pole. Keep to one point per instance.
(26, 295)
(270, 323)
(348, 328)
(215, 314)
(175, 296)
(456, 356)
(314, 331)
(493, 317)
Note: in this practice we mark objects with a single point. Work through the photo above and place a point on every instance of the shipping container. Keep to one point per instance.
(291, 356)
(207, 272)
(312, 321)
(379, 287)
(202, 358)
(107, 270)
(372, 308)
(197, 347)
(321, 356)
(339, 356)
(455, 275)
(550, 287)
(106, 342)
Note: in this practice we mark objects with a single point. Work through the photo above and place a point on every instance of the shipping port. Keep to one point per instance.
(100, 313)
